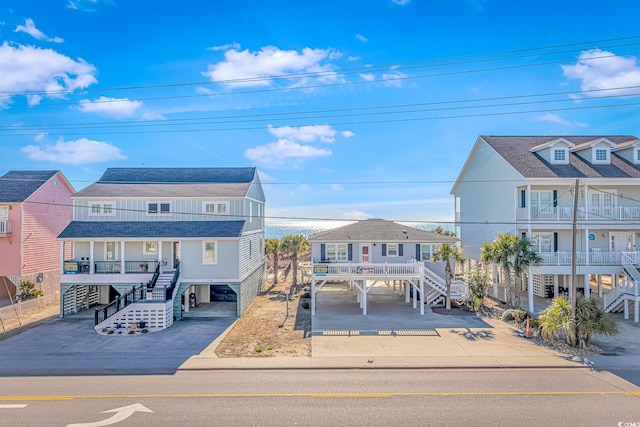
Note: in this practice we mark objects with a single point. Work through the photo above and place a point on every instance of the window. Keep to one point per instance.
(601, 155)
(154, 208)
(250, 211)
(560, 155)
(4, 212)
(426, 251)
(110, 251)
(209, 252)
(217, 208)
(150, 248)
(541, 243)
(392, 249)
(638, 155)
(101, 208)
(250, 249)
(336, 251)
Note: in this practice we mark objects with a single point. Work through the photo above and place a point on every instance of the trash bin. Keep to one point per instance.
(192, 300)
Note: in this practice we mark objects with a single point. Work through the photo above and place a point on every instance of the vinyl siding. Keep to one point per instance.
(247, 262)
(191, 266)
(10, 245)
(44, 215)
(250, 287)
(487, 193)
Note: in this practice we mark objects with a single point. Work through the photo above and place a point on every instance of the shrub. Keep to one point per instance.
(258, 350)
(516, 315)
(27, 291)
(306, 295)
(479, 283)
(305, 304)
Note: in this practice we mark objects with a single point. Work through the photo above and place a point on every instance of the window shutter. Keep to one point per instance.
(400, 251)
(350, 252)
(384, 249)
(555, 198)
(555, 242)
(323, 252)
(523, 198)
(418, 252)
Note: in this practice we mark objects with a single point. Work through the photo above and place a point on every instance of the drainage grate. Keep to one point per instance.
(385, 332)
(418, 333)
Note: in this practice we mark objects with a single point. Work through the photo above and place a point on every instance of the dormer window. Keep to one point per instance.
(560, 155)
(638, 155)
(601, 155)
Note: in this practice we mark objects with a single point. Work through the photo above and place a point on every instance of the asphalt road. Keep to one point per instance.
(499, 397)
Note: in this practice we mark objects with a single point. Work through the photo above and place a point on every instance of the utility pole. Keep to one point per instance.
(574, 223)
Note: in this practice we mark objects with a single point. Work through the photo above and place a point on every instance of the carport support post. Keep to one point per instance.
(421, 296)
(313, 297)
(364, 297)
(530, 282)
(407, 286)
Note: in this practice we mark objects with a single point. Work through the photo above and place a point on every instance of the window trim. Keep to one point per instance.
(397, 249)
(607, 156)
(100, 205)
(115, 250)
(204, 252)
(422, 252)
(144, 247)
(336, 252)
(216, 207)
(565, 155)
(159, 208)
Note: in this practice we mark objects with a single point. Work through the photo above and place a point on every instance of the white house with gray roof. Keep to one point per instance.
(159, 243)
(525, 185)
(374, 251)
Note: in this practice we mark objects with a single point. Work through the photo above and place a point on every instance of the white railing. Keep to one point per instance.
(9, 312)
(5, 226)
(565, 213)
(459, 288)
(356, 269)
(630, 268)
(593, 257)
(613, 298)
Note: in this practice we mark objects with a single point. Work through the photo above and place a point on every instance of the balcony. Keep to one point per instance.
(583, 258)
(82, 267)
(565, 213)
(5, 227)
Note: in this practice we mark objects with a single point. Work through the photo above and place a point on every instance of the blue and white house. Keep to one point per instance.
(373, 251)
(156, 244)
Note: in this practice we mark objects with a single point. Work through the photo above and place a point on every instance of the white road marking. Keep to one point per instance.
(13, 406)
(121, 414)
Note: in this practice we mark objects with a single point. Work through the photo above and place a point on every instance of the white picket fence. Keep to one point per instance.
(9, 312)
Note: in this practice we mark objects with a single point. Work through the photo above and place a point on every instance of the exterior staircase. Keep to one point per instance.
(618, 299)
(437, 288)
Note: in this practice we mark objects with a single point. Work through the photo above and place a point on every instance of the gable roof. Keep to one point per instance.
(177, 175)
(152, 229)
(379, 230)
(172, 182)
(17, 186)
(516, 150)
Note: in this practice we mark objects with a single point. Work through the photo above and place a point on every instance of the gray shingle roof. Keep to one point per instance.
(177, 175)
(17, 186)
(164, 190)
(379, 230)
(151, 229)
(516, 151)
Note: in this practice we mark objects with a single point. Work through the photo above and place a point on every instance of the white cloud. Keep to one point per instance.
(87, 5)
(26, 69)
(336, 187)
(401, 2)
(362, 38)
(283, 153)
(245, 68)
(393, 78)
(118, 108)
(78, 152)
(304, 133)
(368, 77)
(548, 117)
(353, 58)
(348, 134)
(39, 137)
(235, 46)
(30, 28)
(357, 215)
(600, 69)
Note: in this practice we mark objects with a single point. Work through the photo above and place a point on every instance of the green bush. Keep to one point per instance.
(27, 291)
(515, 315)
(479, 283)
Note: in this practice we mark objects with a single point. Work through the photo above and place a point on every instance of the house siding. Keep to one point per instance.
(10, 244)
(227, 267)
(250, 287)
(486, 176)
(249, 261)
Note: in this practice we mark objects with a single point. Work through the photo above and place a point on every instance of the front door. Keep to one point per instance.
(620, 241)
(365, 253)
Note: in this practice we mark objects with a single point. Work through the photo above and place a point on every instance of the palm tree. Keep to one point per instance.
(293, 245)
(502, 251)
(447, 252)
(523, 258)
(273, 247)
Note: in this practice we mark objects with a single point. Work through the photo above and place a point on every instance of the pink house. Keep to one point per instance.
(35, 206)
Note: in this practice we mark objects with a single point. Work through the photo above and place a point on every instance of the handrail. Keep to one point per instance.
(172, 284)
(152, 283)
(612, 297)
(441, 284)
(122, 301)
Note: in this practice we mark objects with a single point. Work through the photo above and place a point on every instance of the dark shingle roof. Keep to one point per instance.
(177, 175)
(164, 190)
(379, 230)
(516, 151)
(152, 229)
(17, 186)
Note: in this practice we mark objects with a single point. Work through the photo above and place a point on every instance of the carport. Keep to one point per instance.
(209, 300)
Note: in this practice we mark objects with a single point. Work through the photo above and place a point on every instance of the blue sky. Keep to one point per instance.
(349, 109)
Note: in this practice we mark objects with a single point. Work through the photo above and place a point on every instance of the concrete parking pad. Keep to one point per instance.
(71, 346)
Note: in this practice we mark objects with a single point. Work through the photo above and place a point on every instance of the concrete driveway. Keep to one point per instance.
(393, 330)
(70, 346)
